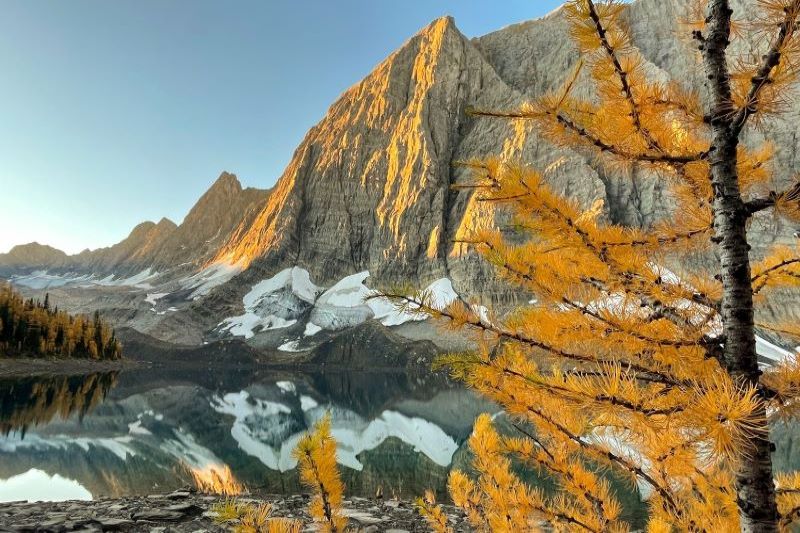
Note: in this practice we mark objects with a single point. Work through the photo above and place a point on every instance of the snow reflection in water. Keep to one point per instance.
(226, 431)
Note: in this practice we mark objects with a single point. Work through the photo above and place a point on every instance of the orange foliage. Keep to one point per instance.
(619, 362)
(316, 457)
(216, 479)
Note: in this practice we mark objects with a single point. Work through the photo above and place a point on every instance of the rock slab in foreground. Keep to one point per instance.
(186, 511)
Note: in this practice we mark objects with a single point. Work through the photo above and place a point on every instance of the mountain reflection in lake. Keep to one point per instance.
(156, 430)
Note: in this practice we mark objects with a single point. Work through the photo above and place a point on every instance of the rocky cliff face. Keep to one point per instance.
(209, 224)
(369, 188)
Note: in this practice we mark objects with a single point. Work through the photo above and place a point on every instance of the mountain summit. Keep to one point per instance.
(369, 186)
(159, 247)
(210, 223)
(32, 255)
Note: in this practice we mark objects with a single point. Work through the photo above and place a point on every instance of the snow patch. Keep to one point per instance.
(286, 386)
(349, 302)
(295, 278)
(290, 346)
(41, 279)
(273, 303)
(138, 280)
(354, 436)
(210, 277)
(153, 297)
(246, 324)
(119, 446)
(136, 428)
(307, 402)
(187, 449)
(278, 302)
(770, 351)
(311, 329)
(257, 424)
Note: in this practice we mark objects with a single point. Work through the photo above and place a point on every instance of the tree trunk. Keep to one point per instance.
(755, 489)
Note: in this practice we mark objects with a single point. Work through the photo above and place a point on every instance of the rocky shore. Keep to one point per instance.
(21, 367)
(185, 511)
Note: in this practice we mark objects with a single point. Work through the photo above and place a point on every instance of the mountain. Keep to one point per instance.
(209, 224)
(32, 255)
(369, 186)
(154, 247)
(368, 193)
(135, 252)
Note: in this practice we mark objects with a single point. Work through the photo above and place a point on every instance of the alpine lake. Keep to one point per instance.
(231, 430)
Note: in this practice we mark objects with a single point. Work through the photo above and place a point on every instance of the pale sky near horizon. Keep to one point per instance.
(112, 113)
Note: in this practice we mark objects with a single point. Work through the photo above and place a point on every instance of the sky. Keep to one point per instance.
(112, 113)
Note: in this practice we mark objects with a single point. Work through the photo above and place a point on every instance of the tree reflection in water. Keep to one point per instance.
(37, 400)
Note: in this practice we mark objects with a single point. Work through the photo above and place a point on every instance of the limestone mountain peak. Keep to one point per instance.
(369, 186)
(225, 181)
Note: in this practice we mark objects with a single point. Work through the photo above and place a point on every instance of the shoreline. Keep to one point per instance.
(186, 510)
(21, 367)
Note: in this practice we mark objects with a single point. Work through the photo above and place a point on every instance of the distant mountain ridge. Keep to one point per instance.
(33, 255)
(160, 246)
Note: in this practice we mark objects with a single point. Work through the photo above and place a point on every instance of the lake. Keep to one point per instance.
(224, 430)
(231, 429)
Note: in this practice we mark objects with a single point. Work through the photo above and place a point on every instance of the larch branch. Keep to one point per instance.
(636, 117)
(786, 31)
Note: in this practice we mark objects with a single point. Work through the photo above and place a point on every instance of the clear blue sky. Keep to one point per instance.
(115, 112)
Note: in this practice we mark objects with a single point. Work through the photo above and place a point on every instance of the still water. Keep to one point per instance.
(233, 429)
(154, 430)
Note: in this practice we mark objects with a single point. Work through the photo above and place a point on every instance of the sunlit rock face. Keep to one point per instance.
(370, 186)
(210, 223)
(166, 246)
(160, 247)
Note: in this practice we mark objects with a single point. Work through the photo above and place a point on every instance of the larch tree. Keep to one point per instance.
(633, 359)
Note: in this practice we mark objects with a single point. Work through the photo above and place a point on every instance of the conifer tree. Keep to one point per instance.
(32, 328)
(316, 458)
(632, 359)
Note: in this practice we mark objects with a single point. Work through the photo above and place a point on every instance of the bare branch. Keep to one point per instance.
(759, 204)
